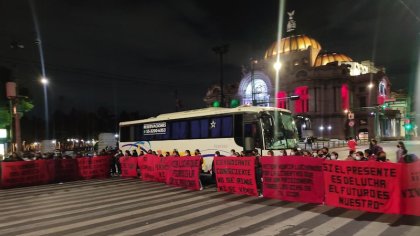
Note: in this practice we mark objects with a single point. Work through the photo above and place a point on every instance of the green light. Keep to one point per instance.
(216, 104)
(408, 126)
(234, 103)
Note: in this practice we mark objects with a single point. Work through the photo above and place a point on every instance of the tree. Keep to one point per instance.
(5, 118)
(25, 105)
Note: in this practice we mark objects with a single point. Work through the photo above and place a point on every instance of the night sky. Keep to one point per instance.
(133, 54)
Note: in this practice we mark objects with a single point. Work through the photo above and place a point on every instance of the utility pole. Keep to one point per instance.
(18, 136)
(221, 50)
(253, 63)
(14, 101)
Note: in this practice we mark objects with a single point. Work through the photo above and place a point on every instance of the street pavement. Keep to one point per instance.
(118, 206)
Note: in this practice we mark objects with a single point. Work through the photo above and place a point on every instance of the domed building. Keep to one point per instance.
(338, 96)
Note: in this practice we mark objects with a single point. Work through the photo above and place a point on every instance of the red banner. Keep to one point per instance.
(363, 185)
(291, 178)
(184, 172)
(50, 171)
(147, 167)
(26, 173)
(128, 166)
(100, 166)
(66, 170)
(236, 175)
(161, 166)
(410, 189)
(95, 167)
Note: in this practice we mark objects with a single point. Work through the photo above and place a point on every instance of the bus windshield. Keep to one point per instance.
(279, 130)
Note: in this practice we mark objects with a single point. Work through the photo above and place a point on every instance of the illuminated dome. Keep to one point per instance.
(323, 59)
(290, 44)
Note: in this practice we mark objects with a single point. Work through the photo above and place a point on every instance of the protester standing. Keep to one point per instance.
(351, 143)
(115, 163)
(374, 147)
(401, 151)
(368, 154)
(381, 157)
(135, 154)
(283, 152)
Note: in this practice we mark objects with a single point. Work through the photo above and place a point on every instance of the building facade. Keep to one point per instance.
(338, 97)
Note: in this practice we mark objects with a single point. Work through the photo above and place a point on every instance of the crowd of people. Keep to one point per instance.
(374, 153)
(56, 155)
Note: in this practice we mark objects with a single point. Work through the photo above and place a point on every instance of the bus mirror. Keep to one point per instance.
(249, 144)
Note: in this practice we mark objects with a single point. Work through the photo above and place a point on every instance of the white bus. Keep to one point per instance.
(212, 129)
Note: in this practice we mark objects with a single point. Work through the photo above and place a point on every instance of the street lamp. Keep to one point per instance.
(277, 66)
(44, 81)
(370, 85)
(253, 63)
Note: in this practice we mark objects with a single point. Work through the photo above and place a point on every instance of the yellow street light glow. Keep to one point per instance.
(370, 85)
(277, 65)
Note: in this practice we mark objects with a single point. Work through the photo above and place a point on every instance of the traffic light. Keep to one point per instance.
(408, 127)
(216, 104)
(234, 103)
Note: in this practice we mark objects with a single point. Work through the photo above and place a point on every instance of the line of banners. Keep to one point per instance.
(368, 186)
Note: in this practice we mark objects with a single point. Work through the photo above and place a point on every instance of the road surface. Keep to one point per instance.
(131, 207)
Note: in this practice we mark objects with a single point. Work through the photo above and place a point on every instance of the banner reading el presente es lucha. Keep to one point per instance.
(366, 186)
(292, 178)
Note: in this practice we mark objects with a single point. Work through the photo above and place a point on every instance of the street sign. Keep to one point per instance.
(351, 123)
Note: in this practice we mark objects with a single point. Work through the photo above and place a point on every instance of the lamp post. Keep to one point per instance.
(376, 124)
(14, 102)
(44, 81)
(221, 50)
(253, 63)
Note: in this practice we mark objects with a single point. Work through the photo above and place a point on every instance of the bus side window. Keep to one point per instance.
(179, 130)
(125, 133)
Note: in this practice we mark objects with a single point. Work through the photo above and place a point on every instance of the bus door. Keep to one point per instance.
(267, 129)
(252, 132)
